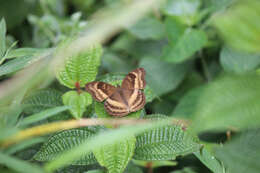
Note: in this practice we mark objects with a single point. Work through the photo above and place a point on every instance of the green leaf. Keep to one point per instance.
(64, 141)
(16, 64)
(242, 153)
(81, 68)
(77, 101)
(189, 43)
(164, 143)
(96, 171)
(188, 103)
(238, 62)
(20, 52)
(174, 29)
(102, 139)
(209, 160)
(231, 102)
(163, 77)
(116, 156)
(42, 115)
(184, 170)
(41, 100)
(155, 164)
(2, 38)
(187, 10)
(19, 165)
(239, 25)
(148, 28)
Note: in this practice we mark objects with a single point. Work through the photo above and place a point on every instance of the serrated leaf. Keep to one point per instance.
(237, 107)
(2, 38)
(81, 68)
(237, 61)
(148, 28)
(189, 43)
(41, 100)
(64, 141)
(165, 143)
(115, 157)
(77, 101)
(241, 154)
(163, 77)
(239, 25)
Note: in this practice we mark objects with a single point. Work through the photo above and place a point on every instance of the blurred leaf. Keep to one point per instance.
(188, 103)
(41, 100)
(164, 143)
(148, 28)
(155, 164)
(115, 157)
(20, 52)
(238, 62)
(239, 25)
(96, 171)
(63, 141)
(77, 101)
(2, 38)
(16, 64)
(209, 160)
(161, 76)
(242, 153)
(189, 43)
(187, 10)
(81, 68)
(42, 115)
(237, 107)
(185, 170)
(174, 29)
(132, 168)
(19, 165)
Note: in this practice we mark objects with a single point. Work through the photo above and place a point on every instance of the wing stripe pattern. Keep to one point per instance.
(139, 102)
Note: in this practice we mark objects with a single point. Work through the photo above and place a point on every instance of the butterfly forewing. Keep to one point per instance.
(135, 79)
(100, 90)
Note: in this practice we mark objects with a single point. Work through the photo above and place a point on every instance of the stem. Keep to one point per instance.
(65, 125)
(77, 85)
(149, 167)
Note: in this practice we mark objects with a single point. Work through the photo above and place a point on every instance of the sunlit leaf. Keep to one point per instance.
(115, 157)
(77, 101)
(81, 68)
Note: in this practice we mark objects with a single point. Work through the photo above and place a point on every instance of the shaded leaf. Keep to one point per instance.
(81, 68)
(41, 100)
(238, 62)
(115, 157)
(2, 38)
(239, 25)
(148, 28)
(163, 77)
(237, 107)
(189, 43)
(174, 29)
(164, 143)
(241, 154)
(64, 141)
(77, 101)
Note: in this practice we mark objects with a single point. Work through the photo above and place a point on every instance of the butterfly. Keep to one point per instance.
(120, 101)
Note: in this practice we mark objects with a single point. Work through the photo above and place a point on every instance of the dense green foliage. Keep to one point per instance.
(202, 63)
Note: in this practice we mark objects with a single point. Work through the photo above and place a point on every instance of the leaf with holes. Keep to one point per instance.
(164, 143)
(77, 101)
(115, 157)
(64, 141)
(81, 68)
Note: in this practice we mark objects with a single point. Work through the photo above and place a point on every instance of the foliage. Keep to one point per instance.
(202, 63)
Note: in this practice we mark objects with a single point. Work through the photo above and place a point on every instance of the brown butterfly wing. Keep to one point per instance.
(136, 101)
(100, 90)
(135, 79)
(116, 105)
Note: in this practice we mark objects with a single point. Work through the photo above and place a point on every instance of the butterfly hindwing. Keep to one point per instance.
(100, 90)
(135, 79)
(136, 101)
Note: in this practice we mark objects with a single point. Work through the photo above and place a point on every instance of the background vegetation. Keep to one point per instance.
(202, 62)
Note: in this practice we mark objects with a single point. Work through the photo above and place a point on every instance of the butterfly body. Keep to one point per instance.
(120, 101)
